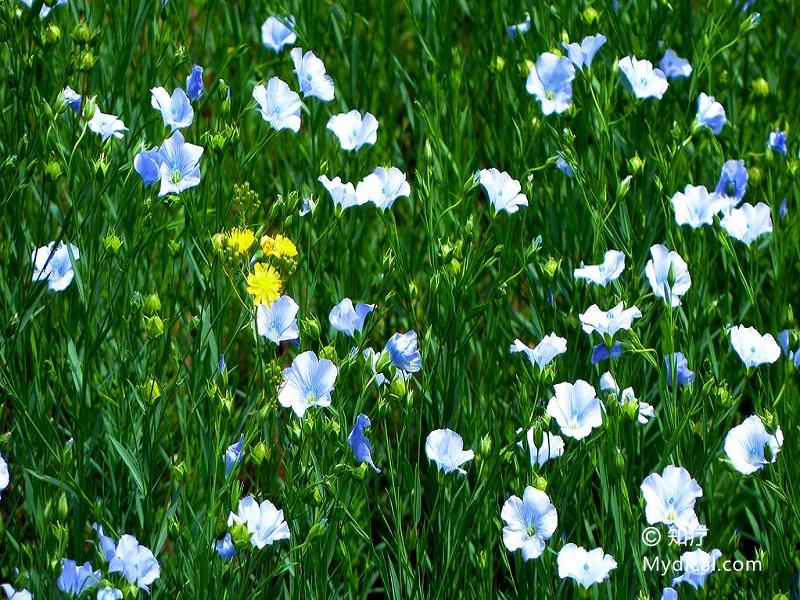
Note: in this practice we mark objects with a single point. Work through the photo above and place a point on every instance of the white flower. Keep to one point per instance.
(308, 382)
(382, 187)
(753, 348)
(610, 269)
(608, 383)
(670, 497)
(552, 447)
(176, 110)
(697, 565)
(311, 75)
(576, 409)
(278, 104)
(674, 66)
(276, 34)
(353, 130)
(264, 522)
(585, 567)
(342, 193)
(52, 262)
(710, 113)
(668, 274)
(645, 81)
(446, 448)
(503, 191)
(278, 321)
(4, 478)
(747, 223)
(608, 322)
(750, 446)
(696, 207)
(530, 522)
(544, 353)
(106, 125)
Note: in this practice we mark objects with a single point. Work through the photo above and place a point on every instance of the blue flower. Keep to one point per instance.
(609, 270)
(503, 191)
(53, 263)
(710, 113)
(747, 223)
(544, 352)
(308, 382)
(106, 125)
(403, 351)
(278, 104)
(45, 9)
(582, 54)
(264, 522)
(586, 567)
(13, 594)
(342, 193)
(668, 274)
(75, 580)
(746, 445)
(4, 477)
(564, 166)
(519, 28)
(576, 408)
(225, 548)
(446, 448)
(696, 207)
(777, 141)
(697, 565)
(753, 348)
(382, 187)
(107, 545)
(347, 318)
(176, 110)
(529, 522)
(147, 164)
(136, 563)
(670, 496)
(601, 352)
(278, 321)
(221, 366)
(72, 98)
(311, 75)
(550, 80)
(353, 130)
(234, 454)
(180, 165)
(645, 81)
(361, 446)
(674, 66)
(109, 594)
(732, 181)
(609, 322)
(275, 33)
(685, 375)
(194, 83)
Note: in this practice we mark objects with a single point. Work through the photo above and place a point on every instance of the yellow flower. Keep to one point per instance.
(240, 240)
(264, 284)
(278, 246)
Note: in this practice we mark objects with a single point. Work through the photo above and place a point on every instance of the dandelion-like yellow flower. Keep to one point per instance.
(264, 284)
(278, 246)
(240, 240)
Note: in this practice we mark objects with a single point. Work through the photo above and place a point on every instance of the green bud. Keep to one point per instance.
(174, 248)
(240, 535)
(761, 87)
(540, 483)
(81, 33)
(317, 530)
(112, 243)
(485, 446)
(260, 453)
(619, 459)
(151, 304)
(590, 15)
(179, 471)
(755, 176)
(51, 34)
(89, 107)
(635, 164)
(397, 387)
(623, 188)
(154, 326)
(550, 267)
(53, 170)
(310, 327)
(150, 390)
(63, 507)
(328, 352)
(86, 61)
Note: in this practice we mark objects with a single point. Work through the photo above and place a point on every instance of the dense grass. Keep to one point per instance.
(106, 418)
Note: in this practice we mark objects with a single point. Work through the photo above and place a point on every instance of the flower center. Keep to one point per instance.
(175, 177)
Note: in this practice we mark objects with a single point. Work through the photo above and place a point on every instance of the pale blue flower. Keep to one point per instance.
(225, 547)
(696, 207)
(601, 352)
(564, 166)
(75, 580)
(519, 28)
(609, 270)
(669, 594)
(373, 358)
(529, 522)
(278, 104)
(503, 191)
(697, 565)
(176, 110)
(234, 454)
(645, 81)
(353, 130)
(135, 562)
(544, 352)
(608, 322)
(264, 522)
(576, 409)
(109, 594)
(732, 181)
(347, 318)
(684, 374)
(194, 83)
(585, 567)
(710, 113)
(359, 444)
(4, 476)
(777, 141)
(342, 193)
(403, 351)
(278, 321)
(753, 348)
(13, 594)
(277, 33)
(668, 274)
(750, 446)
(147, 164)
(382, 187)
(106, 125)
(582, 54)
(45, 11)
(180, 165)
(72, 98)
(670, 496)
(674, 66)
(550, 80)
(446, 448)
(552, 447)
(311, 75)
(53, 263)
(308, 382)
(108, 546)
(747, 223)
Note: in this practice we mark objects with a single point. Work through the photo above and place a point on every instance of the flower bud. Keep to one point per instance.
(154, 326)
(51, 35)
(761, 87)
(112, 243)
(53, 170)
(540, 483)
(81, 33)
